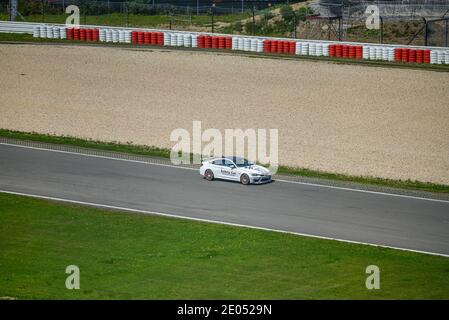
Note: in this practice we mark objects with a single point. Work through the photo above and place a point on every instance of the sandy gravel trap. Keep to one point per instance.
(382, 122)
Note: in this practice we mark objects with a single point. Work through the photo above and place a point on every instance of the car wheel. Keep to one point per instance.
(244, 179)
(209, 175)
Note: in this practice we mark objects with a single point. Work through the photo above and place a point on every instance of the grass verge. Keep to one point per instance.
(131, 256)
(139, 20)
(165, 153)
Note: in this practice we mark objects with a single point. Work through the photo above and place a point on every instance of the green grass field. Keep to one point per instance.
(138, 20)
(132, 256)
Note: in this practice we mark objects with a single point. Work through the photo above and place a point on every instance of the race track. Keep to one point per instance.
(403, 222)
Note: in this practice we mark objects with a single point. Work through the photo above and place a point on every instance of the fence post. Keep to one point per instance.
(381, 29)
(109, 11)
(339, 28)
(295, 24)
(127, 13)
(254, 21)
(84, 14)
(306, 25)
(446, 33)
(212, 13)
(42, 11)
(425, 32)
(12, 9)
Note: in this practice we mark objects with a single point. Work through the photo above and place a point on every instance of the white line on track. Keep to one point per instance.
(105, 206)
(186, 168)
(97, 156)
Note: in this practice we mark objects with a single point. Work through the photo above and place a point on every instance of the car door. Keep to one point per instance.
(230, 170)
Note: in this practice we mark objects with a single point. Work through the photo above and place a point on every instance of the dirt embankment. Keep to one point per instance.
(349, 119)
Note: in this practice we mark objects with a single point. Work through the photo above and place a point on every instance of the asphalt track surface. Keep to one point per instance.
(395, 221)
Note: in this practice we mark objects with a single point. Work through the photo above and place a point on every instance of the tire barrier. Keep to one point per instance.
(82, 33)
(187, 40)
(51, 32)
(121, 36)
(235, 43)
(205, 41)
(326, 49)
(108, 35)
(240, 44)
(36, 32)
(76, 34)
(144, 38)
(43, 31)
(391, 53)
(62, 33)
(56, 33)
(115, 36)
(167, 37)
(173, 39)
(407, 55)
(194, 41)
(433, 57)
(284, 47)
(349, 51)
(179, 40)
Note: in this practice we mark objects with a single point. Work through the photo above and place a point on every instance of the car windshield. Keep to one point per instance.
(241, 162)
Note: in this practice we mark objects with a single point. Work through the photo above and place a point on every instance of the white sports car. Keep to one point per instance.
(236, 169)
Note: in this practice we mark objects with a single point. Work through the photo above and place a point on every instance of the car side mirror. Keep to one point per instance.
(233, 166)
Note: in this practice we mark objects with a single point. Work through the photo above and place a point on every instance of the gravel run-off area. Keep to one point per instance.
(351, 119)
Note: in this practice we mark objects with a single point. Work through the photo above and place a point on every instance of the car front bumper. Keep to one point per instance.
(261, 179)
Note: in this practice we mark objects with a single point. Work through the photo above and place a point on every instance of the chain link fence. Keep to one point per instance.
(437, 32)
(191, 15)
(401, 22)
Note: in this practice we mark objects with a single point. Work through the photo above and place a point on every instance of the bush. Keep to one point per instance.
(237, 26)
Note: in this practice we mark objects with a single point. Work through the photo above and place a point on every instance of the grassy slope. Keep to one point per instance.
(164, 153)
(136, 256)
(137, 20)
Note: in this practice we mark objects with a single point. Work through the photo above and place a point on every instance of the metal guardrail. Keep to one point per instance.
(17, 27)
(27, 27)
